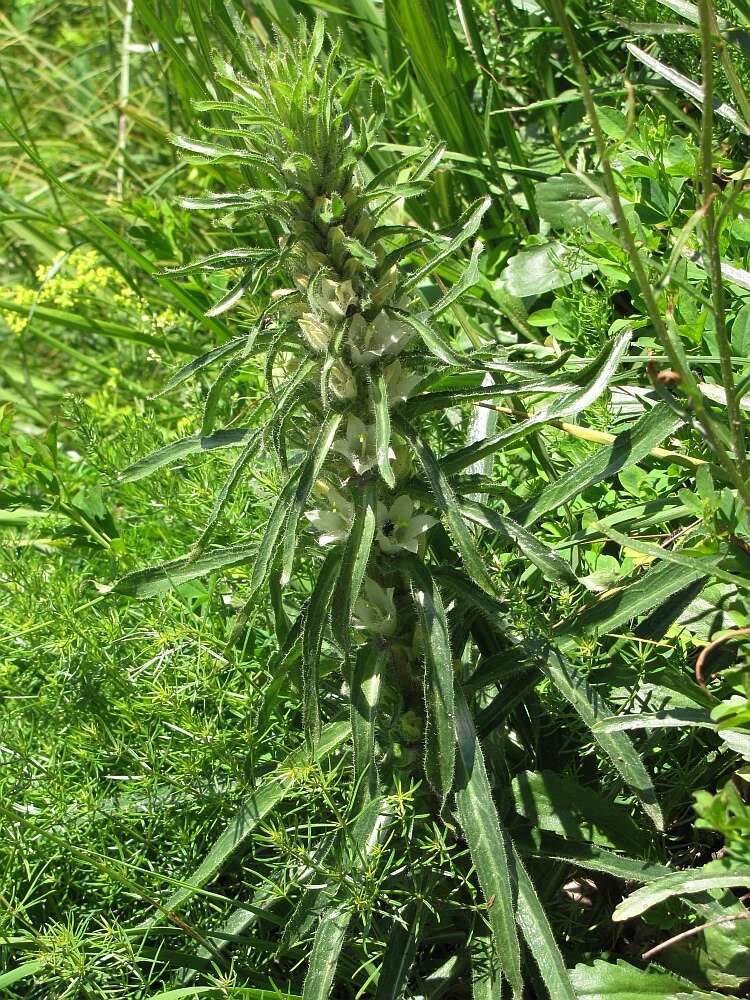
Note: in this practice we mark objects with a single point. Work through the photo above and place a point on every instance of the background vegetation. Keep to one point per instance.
(131, 734)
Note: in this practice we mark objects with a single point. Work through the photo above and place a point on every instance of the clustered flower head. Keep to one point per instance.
(349, 309)
(68, 280)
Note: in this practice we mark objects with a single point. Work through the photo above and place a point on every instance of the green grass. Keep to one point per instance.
(132, 734)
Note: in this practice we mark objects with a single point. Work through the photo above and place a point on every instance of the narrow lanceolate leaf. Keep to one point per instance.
(220, 261)
(544, 558)
(233, 296)
(310, 472)
(158, 579)
(714, 875)
(8, 979)
(353, 564)
(446, 502)
(329, 938)
(574, 687)
(379, 396)
(326, 949)
(232, 199)
(538, 935)
(562, 406)
(267, 551)
(677, 557)
(173, 452)
(469, 278)
(590, 857)
(400, 949)
(223, 993)
(688, 86)
(436, 344)
(269, 545)
(440, 728)
(213, 396)
(668, 718)
(316, 621)
(367, 676)
(648, 592)
(487, 845)
(251, 447)
(190, 369)
(486, 980)
(469, 223)
(270, 792)
(627, 449)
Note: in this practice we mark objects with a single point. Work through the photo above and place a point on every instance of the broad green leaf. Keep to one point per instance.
(440, 728)
(540, 269)
(714, 875)
(558, 803)
(369, 667)
(353, 564)
(574, 687)
(622, 981)
(316, 621)
(628, 448)
(553, 566)
(488, 845)
(566, 405)
(173, 452)
(446, 502)
(271, 791)
(539, 938)
(379, 396)
(567, 202)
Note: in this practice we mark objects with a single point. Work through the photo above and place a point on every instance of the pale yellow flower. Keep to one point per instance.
(399, 527)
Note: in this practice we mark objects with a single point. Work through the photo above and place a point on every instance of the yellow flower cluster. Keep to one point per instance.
(82, 275)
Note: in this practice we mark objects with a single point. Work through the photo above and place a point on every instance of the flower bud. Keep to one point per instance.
(316, 332)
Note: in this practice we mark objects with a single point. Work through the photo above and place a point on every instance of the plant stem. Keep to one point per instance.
(703, 416)
(707, 32)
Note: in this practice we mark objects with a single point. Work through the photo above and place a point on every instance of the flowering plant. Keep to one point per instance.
(402, 600)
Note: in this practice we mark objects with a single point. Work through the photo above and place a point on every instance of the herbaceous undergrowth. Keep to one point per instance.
(357, 370)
